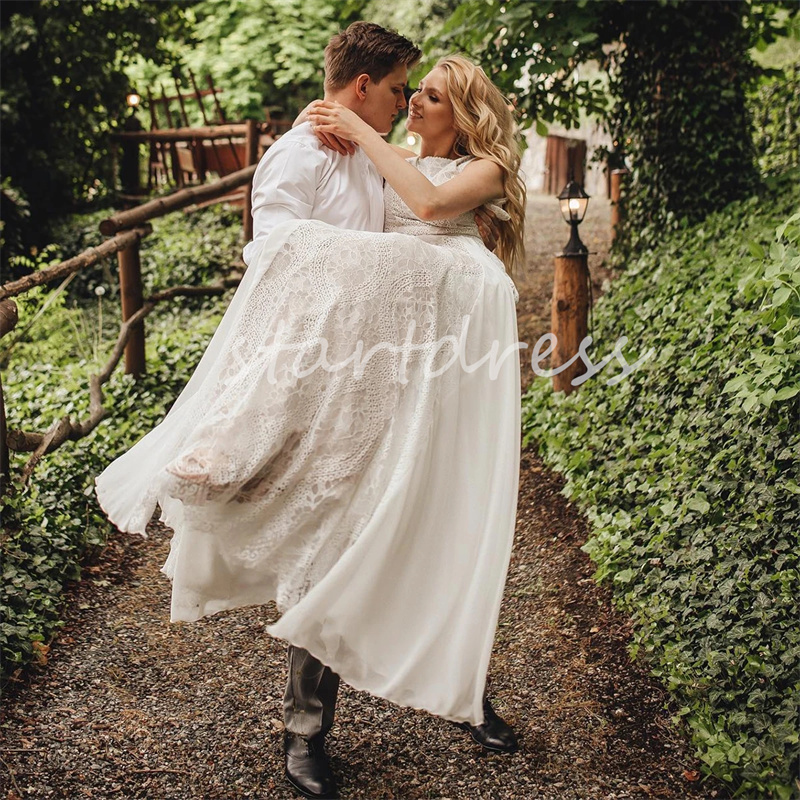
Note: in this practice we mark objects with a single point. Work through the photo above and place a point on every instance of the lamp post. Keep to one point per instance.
(129, 179)
(574, 202)
(570, 304)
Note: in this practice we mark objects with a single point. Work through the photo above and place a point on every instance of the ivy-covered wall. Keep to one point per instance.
(680, 83)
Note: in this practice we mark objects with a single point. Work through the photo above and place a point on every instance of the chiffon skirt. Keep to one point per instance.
(348, 447)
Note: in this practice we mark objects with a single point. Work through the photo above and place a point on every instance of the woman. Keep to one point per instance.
(349, 444)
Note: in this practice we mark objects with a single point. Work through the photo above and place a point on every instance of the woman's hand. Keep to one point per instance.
(303, 115)
(329, 140)
(332, 118)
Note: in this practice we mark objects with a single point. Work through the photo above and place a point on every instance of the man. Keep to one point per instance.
(366, 69)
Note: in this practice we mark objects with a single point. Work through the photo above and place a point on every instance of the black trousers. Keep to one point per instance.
(310, 697)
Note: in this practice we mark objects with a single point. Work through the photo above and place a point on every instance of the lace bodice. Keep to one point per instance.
(399, 218)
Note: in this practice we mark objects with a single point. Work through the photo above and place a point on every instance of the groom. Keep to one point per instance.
(366, 69)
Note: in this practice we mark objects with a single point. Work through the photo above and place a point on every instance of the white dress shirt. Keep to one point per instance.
(298, 178)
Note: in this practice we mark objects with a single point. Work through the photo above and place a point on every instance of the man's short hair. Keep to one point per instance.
(366, 48)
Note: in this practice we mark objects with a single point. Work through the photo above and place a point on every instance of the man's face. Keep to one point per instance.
(385, 100)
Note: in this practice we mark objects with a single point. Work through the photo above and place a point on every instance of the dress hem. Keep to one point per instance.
(362, 688)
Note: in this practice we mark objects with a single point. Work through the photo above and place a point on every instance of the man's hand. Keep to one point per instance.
(488, 226)
(342, 146)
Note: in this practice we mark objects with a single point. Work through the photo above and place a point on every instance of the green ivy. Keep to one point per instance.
(53, 525)
(775, 108)
(688, 473)
(689, 142)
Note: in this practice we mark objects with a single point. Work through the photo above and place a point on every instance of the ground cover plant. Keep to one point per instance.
(53, 525)
(688, 473)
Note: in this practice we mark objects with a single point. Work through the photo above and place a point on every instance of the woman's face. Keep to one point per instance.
(430, 112)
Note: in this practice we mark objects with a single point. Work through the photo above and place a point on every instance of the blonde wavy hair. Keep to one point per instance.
(485, 128)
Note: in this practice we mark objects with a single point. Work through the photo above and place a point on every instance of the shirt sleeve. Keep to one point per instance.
(284, 187)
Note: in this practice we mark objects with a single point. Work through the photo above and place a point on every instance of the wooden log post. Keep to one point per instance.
(131, 295)
(129, 179)
(569, 318)
(8, 320)
(251, 156)
(177, 174)
(617, 176)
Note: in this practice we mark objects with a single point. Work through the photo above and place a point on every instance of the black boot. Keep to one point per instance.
(494, 734)
(307, 767)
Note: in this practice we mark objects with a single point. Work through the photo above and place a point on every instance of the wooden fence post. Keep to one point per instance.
(616, 186)
(569, 316)
(132, 297)
(251, 157)
(8, 319)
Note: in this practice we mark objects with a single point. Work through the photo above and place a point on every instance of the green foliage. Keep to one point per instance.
(261, 53)
(687, 471)
(532, 50)
(64, 92)
(688, 141)
(191, 249)
(775, 109)
(15, 214)
(52, 525)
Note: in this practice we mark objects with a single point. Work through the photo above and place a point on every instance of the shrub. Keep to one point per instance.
(54, 523)
(687, 471)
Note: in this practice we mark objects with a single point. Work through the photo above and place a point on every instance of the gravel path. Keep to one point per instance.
(131, 706)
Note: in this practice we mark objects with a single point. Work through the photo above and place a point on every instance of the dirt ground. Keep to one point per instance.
(131, 706)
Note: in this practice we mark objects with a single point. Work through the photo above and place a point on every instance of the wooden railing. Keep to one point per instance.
(202, 151)
(126, 230)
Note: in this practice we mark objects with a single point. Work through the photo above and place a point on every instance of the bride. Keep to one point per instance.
(348, 445)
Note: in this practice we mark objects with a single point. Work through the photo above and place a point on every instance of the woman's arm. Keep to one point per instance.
(478, 182)
(404, 151)
(343, 146)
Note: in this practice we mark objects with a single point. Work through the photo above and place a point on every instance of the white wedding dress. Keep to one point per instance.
(374, 499)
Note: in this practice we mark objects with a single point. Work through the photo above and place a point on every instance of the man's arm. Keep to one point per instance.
(284, 187)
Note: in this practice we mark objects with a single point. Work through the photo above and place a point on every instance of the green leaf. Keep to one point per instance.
(541, 128)
(787, 392)
(781, 295)
(699, 503)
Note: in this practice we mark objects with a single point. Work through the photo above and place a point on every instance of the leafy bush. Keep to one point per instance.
(64, 91)
(187, 248)
(50, 526)
(687, 471)
(775, 107)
